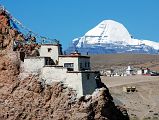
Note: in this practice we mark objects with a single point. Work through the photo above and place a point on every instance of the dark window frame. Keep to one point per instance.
(69, 65)
(49, 49)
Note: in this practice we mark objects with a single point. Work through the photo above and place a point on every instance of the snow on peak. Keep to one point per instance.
(110, 31)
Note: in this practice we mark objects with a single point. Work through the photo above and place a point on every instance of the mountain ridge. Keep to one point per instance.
(110, 35)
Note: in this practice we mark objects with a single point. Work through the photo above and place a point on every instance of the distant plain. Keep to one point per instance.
(120, 60)
(142, 104)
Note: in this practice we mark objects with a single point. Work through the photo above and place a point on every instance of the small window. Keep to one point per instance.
(88, 64)
(88, 76)
(47, 61)
(68, 65)
(69, 69)
(49, 49)
(85, 64)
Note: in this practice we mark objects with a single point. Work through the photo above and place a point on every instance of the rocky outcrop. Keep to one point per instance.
(30, 99)
(13, 39)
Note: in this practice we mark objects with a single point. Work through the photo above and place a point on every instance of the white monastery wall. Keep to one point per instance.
(74, 60)
(53, 74)
(33, 64)
(50, 51)
(78, 79)
(57, 74)
(74, 80)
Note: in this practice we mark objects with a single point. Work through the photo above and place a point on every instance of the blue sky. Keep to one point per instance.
(68, 19)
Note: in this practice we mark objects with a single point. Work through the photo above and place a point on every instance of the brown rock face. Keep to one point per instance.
(32, 100)
(11, 38)
(29, 99)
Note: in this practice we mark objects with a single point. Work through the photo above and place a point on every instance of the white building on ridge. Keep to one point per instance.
(74, 69)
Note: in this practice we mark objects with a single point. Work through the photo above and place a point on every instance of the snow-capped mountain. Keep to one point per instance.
(112, 37)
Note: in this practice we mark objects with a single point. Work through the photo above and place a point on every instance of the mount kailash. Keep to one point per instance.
(111, 37)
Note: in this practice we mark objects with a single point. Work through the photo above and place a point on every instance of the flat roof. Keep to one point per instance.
(54, 66)
(74, 56)
(83, 71)
(38, 57)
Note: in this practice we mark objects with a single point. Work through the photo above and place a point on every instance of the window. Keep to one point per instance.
(68, 65)
(85, 64)
(69, 69)
(88, 76)
(47, 62)
(88, 64)
(49, 49)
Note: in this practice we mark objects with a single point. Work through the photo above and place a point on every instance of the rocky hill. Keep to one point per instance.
(30, 99)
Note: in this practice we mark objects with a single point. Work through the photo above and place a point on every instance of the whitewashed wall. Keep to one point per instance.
(55, 74)
(33, 64)
(54, 52)
(76, 80)
(145, 71)
(74, 60)
(139, 72)
(77, 61)
(129, 72)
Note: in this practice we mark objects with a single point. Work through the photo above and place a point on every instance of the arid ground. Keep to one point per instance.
(142, 104)
(119, 60)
